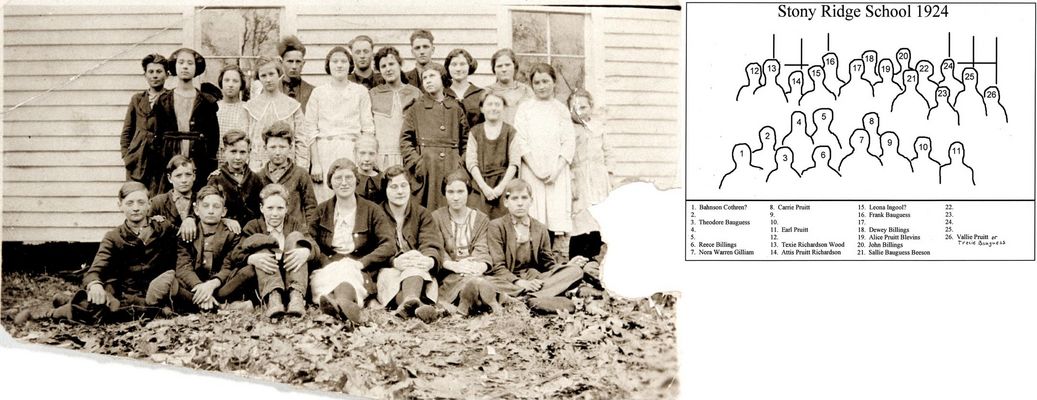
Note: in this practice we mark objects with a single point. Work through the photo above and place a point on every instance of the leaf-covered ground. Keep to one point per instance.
(611, 348)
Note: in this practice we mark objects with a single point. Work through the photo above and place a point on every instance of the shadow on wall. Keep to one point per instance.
(55, 257)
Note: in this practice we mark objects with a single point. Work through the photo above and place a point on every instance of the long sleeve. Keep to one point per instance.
(496, 243)
(430, 239)
(366, 116)
(386, 234)
(545, 259)
(462, 131)
(102, 259)
(409, 138)
(308, 199)
(303, 140)
(185, 264)
(471, 156)
(228, 268)
(480, 248)
(129, 127)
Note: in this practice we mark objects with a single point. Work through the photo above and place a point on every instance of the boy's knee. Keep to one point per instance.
(161, 288)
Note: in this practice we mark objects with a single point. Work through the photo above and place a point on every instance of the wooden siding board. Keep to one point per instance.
(70, 68)
(65, 174)
(62, 128)
(108, 20)
(94, 37)
(61, 189)
(63, 219)
(62, 158)
(86, 52)
(409, 22)
(60, 234)
(61, 143)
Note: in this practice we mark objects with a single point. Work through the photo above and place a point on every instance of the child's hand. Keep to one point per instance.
(203, 291)
(579, 261)
(593, 269)
(529, 286)
(188, 230)
(296, 258)
(476, 268)
(487, 191)
(96, 294)
(264, 262)
(232, 225)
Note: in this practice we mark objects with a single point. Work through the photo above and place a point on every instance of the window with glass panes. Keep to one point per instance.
(553, 38)
(235, 35)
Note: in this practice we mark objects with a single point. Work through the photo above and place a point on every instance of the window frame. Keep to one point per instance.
(593, 38)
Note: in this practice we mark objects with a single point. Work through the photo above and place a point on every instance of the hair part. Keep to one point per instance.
(387, 51)
(209, 190)
(490, 93)
(199, 61)
(338, 49)
(505, 52)
(178, 161)
(517, 186)
(129, 187)
(543, 68)
(235, 135)
(459, 175)
(390, 173)
(241, 75)
(472, 62)
(342, 163)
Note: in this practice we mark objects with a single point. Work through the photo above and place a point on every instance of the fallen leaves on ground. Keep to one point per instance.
(610, 348)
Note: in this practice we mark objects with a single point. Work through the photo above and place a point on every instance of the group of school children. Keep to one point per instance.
(418, 191)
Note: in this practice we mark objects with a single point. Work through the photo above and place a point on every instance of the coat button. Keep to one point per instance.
(441, 154)
(442, 127)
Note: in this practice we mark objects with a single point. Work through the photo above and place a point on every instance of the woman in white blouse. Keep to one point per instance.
(336, 115)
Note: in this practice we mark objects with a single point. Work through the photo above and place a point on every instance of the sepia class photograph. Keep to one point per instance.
(358, 198)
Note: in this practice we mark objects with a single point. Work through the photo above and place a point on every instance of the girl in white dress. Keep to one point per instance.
(336, 115)
(545, 131)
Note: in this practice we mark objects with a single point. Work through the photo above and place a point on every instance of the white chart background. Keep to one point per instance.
(723, 38)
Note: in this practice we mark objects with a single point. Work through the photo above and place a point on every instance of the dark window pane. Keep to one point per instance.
(570, 72)
(529, 32)
(525, 64)
(567, 34)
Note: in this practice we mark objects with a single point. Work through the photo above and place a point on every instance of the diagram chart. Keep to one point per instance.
(883, 132)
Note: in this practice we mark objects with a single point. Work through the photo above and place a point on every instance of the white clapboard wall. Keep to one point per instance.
(62, 166)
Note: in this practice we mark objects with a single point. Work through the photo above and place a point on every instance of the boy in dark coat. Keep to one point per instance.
(302, 203)
(240, 186)
(520, 253)
(205, 268)
(138, 144)
(132, 272)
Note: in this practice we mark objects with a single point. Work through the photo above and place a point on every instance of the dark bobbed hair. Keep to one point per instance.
(199, 61)
(472, 62)
(543, 68)
(459, 175)
(392, 172)
(387, 51)
(501, 53)
(241, 74)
